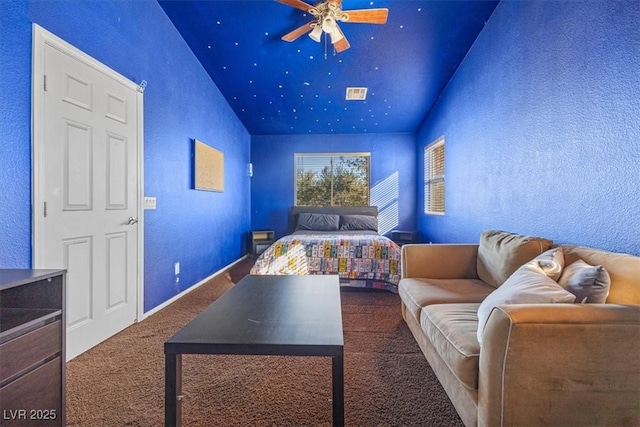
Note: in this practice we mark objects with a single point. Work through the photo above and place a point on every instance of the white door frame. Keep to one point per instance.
(42, 37)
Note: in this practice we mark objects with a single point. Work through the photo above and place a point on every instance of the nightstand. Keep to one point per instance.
(402, 237)
(259, 241)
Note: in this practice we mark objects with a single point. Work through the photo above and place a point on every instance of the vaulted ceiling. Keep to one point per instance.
(278, 87)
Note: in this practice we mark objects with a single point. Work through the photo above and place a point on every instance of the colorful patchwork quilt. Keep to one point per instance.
(358, 259)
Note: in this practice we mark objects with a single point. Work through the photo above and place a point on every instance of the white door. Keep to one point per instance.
(86, 148)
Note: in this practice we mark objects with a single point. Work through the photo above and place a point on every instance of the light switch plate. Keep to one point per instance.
(149, 203)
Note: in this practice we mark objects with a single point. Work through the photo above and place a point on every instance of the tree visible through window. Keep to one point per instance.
(332, 179)
(434, 177)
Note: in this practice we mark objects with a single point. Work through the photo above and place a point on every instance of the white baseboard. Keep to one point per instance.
(186, 291)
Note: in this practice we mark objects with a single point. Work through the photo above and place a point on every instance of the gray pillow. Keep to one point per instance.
(317, 222)
(358, 222)
(587, 282)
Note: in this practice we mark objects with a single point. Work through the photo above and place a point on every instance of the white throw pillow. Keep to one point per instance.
(529, 284)
(552, 262)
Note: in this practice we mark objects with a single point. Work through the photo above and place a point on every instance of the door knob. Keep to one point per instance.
(132, 220)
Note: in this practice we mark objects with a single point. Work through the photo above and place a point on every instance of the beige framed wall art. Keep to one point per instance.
(208, 167)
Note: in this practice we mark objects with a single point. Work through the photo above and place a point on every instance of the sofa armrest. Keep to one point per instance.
(439, 261)
(560, 364)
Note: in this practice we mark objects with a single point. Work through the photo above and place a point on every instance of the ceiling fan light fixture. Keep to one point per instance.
(316, 33)
(329, 25)
(335, 35)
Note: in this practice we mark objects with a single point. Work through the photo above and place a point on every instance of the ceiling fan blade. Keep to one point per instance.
(300, 31)
(366, 16)
(298, 4)
(342, 44)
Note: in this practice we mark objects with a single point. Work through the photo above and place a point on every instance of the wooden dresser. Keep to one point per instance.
(32, 347)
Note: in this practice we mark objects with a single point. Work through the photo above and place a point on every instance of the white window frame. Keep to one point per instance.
(431, 176)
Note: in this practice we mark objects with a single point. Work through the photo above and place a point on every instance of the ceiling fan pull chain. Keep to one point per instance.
(325, 46)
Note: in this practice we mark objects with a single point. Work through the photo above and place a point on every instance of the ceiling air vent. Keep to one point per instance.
(356, 93)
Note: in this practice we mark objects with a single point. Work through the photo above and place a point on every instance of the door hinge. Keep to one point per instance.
(45, 82)
(45, 209)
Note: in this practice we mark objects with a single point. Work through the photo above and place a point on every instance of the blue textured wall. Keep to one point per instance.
(542, 127)
(393, 176)
(201, 230)
(15, 136)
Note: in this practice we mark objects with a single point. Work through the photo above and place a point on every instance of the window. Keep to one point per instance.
(332, 179)
(434, 177)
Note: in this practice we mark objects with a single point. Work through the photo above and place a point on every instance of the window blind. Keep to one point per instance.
(332, 179)
(434, 188)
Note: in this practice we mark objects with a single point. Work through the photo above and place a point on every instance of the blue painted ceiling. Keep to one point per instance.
(276, 87)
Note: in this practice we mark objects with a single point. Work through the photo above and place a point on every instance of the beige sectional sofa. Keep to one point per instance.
(564, 364)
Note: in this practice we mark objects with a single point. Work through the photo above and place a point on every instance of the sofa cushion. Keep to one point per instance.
(588, 283)
(501, 253)
(417, 293)
(530, 284)
(451, 329)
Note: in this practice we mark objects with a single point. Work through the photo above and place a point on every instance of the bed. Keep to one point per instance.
(335, 240)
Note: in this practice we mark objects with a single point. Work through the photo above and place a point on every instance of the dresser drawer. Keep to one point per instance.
(34, 399)
(26, 350)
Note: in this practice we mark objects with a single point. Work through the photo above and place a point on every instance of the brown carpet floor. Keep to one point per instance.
(388, 382)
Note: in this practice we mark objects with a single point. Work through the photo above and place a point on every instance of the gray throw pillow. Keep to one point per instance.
(358, 222)
(589, 283)
(317, 222)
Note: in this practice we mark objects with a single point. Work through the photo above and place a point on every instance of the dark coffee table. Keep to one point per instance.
(264, 315)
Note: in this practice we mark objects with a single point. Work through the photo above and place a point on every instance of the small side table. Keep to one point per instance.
(260, 240)
(402, 237)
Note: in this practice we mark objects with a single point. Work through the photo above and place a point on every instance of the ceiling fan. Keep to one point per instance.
(326, 15)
